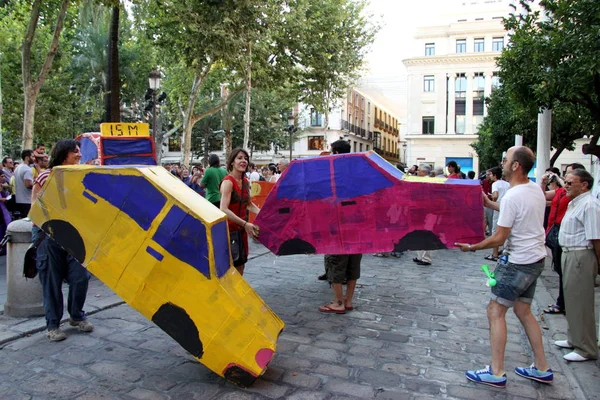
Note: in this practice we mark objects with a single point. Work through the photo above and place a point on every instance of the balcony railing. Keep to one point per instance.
(357, 130)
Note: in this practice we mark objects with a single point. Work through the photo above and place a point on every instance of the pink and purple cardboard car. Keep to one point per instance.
(359, 203)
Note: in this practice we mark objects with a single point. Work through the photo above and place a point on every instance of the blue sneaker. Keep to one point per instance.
(486, 377)
(535, 374)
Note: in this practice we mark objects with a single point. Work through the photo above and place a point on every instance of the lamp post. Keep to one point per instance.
(404, 147)
(154, 83)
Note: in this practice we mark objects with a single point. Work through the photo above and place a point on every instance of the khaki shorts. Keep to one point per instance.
(342, 267)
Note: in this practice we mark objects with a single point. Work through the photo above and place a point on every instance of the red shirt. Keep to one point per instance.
(454, 176)
(558, 208)
(43, 177)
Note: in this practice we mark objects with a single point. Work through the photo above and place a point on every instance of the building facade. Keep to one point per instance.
(448, 82)
(361, 120)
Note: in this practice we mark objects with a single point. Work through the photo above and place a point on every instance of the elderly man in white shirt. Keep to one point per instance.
(579, 237)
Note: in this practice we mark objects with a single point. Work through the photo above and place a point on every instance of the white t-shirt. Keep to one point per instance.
(22, 193)
(522, 210)
(254, 176)
(501, 187)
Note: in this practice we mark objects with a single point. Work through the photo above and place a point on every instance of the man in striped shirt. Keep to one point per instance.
(579, 237)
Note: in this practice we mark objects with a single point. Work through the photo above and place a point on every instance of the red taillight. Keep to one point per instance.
(263, 356)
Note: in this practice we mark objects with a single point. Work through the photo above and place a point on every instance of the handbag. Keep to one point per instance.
(29, 263)
(552, 237)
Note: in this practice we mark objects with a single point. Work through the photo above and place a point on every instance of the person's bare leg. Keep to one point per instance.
(350, 285)
(534, 333)
(240, 269)
(338, 303)
(496, 316)
(495, 251)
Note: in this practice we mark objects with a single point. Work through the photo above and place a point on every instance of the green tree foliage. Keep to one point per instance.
(507, 118)
(554, 58)
(333, 45)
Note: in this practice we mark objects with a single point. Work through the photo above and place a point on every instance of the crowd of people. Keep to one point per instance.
(524, 218)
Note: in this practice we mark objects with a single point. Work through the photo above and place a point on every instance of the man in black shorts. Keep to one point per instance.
(341, 267)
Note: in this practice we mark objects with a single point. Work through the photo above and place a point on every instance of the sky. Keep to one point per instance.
(394, 42)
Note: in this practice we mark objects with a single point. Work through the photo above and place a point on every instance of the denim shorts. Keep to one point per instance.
(515, 281)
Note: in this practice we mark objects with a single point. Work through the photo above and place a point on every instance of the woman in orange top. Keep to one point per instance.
(235, 202)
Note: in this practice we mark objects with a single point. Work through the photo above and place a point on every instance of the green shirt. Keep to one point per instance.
(212, 180)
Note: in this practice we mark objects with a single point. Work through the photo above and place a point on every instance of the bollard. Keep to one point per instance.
(23, 296)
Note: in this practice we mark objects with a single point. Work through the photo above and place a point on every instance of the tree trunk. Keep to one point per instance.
(28, 118)
(112, 109)
(188, 121)
(248, 98)
(32, 88)
(555, 156)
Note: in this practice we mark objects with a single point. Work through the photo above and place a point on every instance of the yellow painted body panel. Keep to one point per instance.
(233, 322)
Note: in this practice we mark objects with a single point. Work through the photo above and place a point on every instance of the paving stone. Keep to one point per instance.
(305, 395)
(379, 378)
(331, 337)
(298, 379)
(394, 337)
(472, 392)
(237, 395)
(51, 386)
(272, 373)
(350, 389)
(295, 338)
(332, 370)
(435, 311)
(292, 363)
(268, 389)
(393, 395)
(196, 391)
(331, 345)
(358, 361)
(422, 386)
(358, 341)
(115, 370)
(401, 369)
(318, 353)
(95, 396)
(145, 394)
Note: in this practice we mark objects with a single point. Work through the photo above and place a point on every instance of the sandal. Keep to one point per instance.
(553, 309)
(491, 257)
(328, 310)
(380, 255)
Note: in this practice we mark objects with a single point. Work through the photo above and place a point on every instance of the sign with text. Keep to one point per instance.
(124, 129)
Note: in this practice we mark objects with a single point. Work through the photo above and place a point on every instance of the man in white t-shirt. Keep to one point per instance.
(521, 230)
(253, 174)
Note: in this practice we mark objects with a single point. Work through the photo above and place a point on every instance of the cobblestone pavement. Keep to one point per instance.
(414, 332)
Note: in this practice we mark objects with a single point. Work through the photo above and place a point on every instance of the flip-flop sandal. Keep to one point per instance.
(554, 309)
(491, 258)
(416, 260)
(380, 255)
(328, 310)
(349, 308)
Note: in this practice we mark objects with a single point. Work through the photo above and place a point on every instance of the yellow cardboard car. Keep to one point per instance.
(165, 251)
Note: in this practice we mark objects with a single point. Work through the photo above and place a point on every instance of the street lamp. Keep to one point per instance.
(154, 83)
(404, 147)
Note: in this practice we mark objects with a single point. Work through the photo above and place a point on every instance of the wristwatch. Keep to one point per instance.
(471, 249)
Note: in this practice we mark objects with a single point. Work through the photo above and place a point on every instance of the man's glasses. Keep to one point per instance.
(568, 183)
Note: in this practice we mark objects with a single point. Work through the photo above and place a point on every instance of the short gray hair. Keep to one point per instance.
(439, 171)
(284, 161)
(425, 167)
